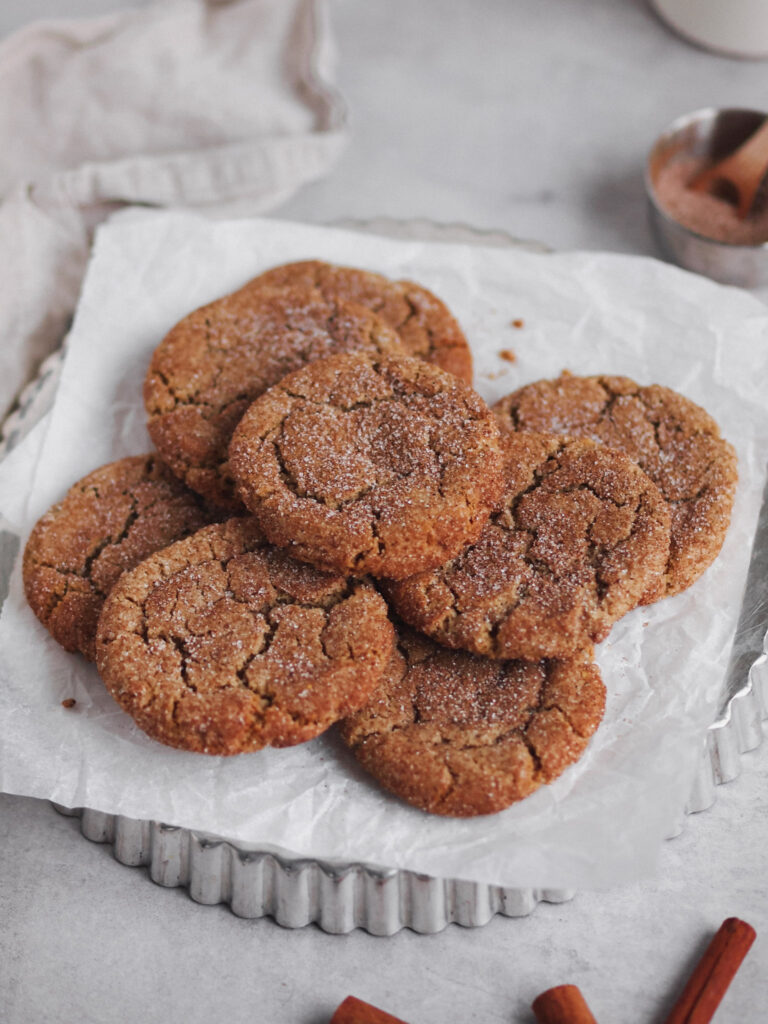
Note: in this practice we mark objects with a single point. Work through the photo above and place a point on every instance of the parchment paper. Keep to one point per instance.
(664, 665)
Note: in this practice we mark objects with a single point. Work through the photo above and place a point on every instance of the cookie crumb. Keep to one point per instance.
(518, 322)
(69, 702)
(508, 354)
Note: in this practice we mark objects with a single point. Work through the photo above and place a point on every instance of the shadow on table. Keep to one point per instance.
(619, 207)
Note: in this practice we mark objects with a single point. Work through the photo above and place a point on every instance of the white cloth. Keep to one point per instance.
(223, 106)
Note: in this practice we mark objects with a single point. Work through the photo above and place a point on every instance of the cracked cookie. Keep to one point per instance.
(364, 464)
(107, 522)
(222, 643)
(426, 326)
(671, 438)
(216, 361)
(580, 535)
(460, 735)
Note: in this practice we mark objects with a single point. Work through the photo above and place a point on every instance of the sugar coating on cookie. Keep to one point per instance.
(362, 464)
(223, 644)
(107, 522)
(671, 438)
(424, 323)
(580, 536)
(460, 735)
(218, 359)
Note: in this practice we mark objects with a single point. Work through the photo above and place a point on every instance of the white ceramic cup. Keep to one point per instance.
(738, 28)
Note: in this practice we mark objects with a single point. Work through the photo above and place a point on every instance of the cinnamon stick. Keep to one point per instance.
(713, 973)
(355, 1011)
(563, 1004)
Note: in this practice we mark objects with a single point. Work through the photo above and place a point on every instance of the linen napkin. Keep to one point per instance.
(227, 107)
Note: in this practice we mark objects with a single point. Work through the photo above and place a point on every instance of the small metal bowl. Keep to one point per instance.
(711, 135)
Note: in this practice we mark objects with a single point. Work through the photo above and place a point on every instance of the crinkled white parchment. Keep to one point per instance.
(664, 666)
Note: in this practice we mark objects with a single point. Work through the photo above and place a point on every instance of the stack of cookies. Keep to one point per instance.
(335, 527)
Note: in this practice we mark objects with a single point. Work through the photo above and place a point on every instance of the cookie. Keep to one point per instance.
(459, 735)
(580, 536)
(426, 326)
(364, 464)
(223, 644)
(107, 523)
(671, 438)
(216, 361)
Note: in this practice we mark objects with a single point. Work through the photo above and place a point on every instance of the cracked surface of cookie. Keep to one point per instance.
(424, 323)
(361, 464)
(106, 523)
(580, 536)
(223, 644)
(671, 438)
(218, 359)
(460, 735)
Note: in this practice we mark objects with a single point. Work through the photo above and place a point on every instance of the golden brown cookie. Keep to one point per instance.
(107, 523)
(214, 362)
(426, 326)
(671, 438)
(364, 464)
(580, 536)
(459, 735)
(223, 644)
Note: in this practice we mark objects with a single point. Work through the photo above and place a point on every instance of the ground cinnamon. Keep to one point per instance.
(710, 215)
(355, 1011)
(563, 1004)
(713, 973)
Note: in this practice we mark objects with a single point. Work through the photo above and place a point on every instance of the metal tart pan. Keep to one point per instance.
(261, 881)
(297, 891)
